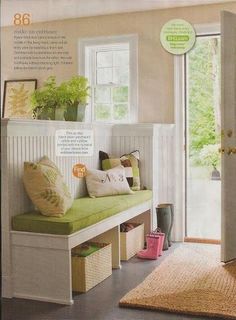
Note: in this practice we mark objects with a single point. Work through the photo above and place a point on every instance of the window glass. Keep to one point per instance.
(120, 111)
(120, 94)
(102, 94)
(111, 87)
(121, 58)
(111, 67)
(102, 111)
(104, 59)
(104, 75)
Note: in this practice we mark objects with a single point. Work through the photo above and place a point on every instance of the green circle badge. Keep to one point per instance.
(177, 36)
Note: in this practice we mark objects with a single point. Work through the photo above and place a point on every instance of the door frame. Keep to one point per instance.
(179, 113)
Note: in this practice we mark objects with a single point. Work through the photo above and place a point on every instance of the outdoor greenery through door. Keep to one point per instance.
(203, 133)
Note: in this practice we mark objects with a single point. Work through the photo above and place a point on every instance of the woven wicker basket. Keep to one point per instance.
(89, 271)
(132, 241)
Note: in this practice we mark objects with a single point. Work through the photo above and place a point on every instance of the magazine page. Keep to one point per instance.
(118, 168)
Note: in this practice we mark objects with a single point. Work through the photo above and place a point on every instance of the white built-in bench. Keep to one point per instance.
(37, 265)
(42, 262)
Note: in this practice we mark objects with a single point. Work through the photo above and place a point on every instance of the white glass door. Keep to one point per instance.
(228, 27)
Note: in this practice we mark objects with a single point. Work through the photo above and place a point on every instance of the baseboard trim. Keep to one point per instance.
(119, 266)
(200, 240)
(43, 299)
(6, 286)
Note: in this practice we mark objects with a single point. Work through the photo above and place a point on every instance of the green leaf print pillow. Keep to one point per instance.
(46, 188)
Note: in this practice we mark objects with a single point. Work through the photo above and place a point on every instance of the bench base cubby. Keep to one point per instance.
(41, 263)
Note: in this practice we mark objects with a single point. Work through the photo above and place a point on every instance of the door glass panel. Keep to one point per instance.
(203, 184)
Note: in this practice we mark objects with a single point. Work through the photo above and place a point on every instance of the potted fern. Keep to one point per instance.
(44, 100)
(77, 91)
(64, 102)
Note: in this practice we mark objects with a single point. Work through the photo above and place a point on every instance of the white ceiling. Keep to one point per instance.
(47, 10)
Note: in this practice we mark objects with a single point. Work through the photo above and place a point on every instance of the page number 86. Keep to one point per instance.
(22, 19)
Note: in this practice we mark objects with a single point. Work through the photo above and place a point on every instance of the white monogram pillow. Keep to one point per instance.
(107, 183)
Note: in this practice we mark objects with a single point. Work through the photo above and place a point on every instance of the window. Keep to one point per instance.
(110, 64)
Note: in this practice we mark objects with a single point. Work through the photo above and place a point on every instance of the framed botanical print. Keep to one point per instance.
(16, 98)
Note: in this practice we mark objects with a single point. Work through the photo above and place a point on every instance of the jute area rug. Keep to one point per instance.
(192, 280)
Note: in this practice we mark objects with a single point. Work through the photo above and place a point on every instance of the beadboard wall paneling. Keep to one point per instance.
(31, 140)
(27, 140)
(155, 143)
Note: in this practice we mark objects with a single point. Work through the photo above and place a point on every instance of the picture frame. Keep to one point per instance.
(16, 98)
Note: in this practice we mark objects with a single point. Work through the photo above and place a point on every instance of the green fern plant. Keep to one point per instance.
(67, 96)
(44, 100)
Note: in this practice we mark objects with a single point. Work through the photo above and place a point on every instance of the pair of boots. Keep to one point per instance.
(154, 249)
(165, 219)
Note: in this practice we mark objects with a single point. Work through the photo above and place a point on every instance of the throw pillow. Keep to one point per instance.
(131, 164)
(102, 156)
(44, 184)
(107, 183)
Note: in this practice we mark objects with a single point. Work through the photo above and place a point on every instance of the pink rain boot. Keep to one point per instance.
(152, 248)
(161, 240)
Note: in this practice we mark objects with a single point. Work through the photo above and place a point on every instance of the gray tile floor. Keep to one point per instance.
(100, 303)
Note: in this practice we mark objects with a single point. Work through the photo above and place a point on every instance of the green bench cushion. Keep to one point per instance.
(83, 213)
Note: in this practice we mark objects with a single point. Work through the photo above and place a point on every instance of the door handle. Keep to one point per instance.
(229, 133)
(231, 150)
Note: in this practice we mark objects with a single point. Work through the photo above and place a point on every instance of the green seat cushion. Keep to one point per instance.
(83, 213)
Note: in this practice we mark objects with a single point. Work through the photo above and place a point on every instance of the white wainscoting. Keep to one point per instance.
(155, 143)
(29, 140)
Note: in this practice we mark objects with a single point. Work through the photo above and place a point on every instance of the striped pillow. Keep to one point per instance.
(131, 164)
